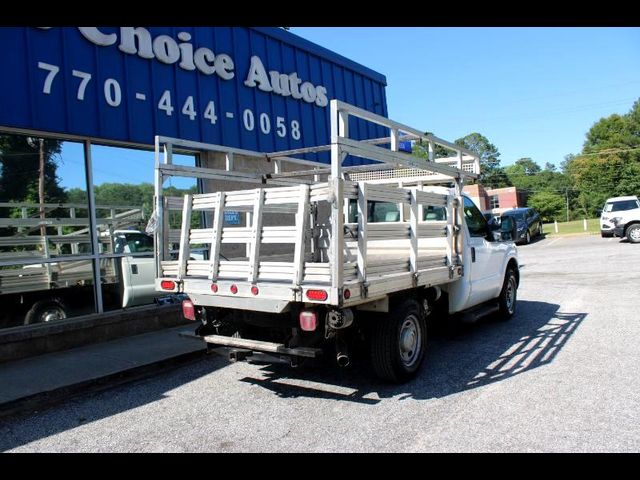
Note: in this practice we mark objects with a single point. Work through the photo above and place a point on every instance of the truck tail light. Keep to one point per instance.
(168, 285)
(255, 290)
(188, 310)
(214, 288)
(308, 320)
(234, 289)
(321, 295)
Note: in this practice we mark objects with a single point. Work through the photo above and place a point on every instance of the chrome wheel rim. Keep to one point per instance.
(510, 296)
(52, 314)
(410, 341)
(634, 234)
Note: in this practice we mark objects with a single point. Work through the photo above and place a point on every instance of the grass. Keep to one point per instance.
(576, 226)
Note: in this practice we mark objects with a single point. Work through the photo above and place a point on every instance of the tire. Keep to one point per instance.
(45, 311)
(540, 232)
(508, 295)
(633, 233)
(398, 343)
(527, 238)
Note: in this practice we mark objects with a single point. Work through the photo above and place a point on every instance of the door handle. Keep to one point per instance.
(473, 254)
(134, 269)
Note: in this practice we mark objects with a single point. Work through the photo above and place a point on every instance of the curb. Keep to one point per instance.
(50, 398)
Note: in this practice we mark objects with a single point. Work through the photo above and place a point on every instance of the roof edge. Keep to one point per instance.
(292, 38)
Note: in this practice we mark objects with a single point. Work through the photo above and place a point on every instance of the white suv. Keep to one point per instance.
(619, 215)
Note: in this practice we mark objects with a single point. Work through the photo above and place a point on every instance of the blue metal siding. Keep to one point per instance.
(139, 85)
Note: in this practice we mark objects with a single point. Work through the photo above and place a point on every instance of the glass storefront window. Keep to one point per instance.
(44, 226)
(123, 190)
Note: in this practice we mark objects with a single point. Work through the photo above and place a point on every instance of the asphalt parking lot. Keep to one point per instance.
(561, 376)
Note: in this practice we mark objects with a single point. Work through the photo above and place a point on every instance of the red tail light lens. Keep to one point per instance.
(320, 295)
(234, 289)
(347, 294)
(188, 310)
(214, 288)
(308, 320)
(255, 290)
(168, 285)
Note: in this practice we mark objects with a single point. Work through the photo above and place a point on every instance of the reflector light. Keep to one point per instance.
(234, 289)
(321, 295)
(347, 294)
(188, 310)
(255, 290)
(168, 285)
(214, 288)
(308, 320)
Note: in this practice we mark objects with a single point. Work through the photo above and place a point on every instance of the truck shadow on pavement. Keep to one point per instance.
(461, 358)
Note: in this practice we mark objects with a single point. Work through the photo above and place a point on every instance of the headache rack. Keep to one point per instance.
(308, 233)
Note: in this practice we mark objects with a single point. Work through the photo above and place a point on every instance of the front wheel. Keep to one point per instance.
(633, 233)
(508, 295)
(399, 342)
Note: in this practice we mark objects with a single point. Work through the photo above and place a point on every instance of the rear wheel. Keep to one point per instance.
(527, 238)
(633, 233)
(508, 295)
(399, 343)
(45, 311)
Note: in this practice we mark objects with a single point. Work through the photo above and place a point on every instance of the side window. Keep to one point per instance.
(139, 243)
(475, 220)
(430, 213)
(377, 212)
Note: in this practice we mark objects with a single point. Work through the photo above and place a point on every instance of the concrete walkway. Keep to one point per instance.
(39, 381)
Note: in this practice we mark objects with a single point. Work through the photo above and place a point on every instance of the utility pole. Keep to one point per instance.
(567, 193)
(43, 229)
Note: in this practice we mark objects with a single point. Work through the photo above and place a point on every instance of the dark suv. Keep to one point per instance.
(528, 224)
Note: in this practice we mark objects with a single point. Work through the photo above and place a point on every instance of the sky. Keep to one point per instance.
(533, 92)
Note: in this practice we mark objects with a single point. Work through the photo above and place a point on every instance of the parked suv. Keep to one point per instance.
(619, 214)
(528, 224)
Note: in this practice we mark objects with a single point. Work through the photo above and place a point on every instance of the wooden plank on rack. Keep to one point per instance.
(362, 230)
(302, 222)
(413, 231)
(216, 237)
(256, 233)
(183, 253)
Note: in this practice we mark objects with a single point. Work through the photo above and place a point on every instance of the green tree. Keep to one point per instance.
(550, 205)
(491, 174)
(610, 160)
(20, 168)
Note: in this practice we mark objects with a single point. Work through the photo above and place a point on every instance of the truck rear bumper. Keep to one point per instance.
(257, 345)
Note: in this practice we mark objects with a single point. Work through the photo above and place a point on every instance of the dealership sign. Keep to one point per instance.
(257, 88)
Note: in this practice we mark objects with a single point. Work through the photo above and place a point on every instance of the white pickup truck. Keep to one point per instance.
(33, 291)
(376, 252)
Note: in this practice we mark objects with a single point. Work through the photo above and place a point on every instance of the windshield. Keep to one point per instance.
(517, 216)
(620, 206)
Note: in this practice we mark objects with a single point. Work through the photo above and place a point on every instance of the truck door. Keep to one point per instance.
(484, 257)
(138, 272)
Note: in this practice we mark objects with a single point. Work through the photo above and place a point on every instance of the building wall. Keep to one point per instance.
(508, 198)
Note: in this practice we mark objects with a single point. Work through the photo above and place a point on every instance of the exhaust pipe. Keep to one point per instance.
(342, 352)
(343, 359)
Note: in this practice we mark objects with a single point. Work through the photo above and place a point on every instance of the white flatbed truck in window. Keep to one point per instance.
(367, 252)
